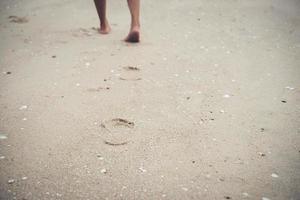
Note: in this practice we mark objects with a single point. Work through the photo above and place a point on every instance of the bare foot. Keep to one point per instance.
(104, 28)
(133, 36)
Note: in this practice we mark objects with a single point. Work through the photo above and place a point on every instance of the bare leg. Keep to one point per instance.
(101, 9)
(134, 33)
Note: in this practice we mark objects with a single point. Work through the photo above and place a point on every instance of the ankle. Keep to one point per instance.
(135, 27)
(104, 24)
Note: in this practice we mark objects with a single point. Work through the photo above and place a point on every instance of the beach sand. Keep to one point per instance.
(206, 107)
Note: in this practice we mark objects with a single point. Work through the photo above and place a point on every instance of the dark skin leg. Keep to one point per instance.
(134, 7)
(101, 10)
(134, 33)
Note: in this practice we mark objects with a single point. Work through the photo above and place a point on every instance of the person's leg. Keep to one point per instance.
(134, 33)
(101, 9)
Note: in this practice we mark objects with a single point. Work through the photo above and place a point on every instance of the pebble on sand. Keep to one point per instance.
(3, 137)
(226, 96)
(275, 175)
(24, 107)
(185, 189)
(103, 171)
(10, 181)
(24, 178)
(100, 157)
(261, 154)
(2, 157)
(142, 169)
(245, 194)
(265, 198)
(289, 88)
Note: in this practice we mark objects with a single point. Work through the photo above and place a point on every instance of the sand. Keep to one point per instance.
(206, 107)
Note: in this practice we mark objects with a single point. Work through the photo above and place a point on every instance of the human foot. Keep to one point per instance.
(133, 36)
(104, 28)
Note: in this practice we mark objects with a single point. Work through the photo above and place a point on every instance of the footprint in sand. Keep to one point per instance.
(98, 89)
(117, 131)
(130, 73)
(83, 32)
(18, 20)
